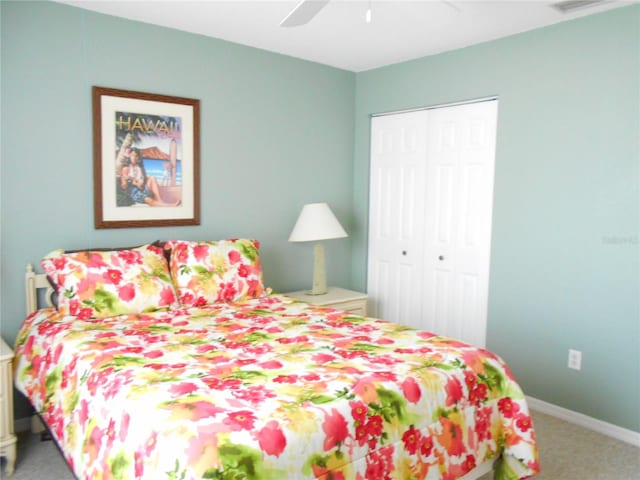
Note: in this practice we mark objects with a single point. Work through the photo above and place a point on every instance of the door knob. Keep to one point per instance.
(440, 257)
(404, 252)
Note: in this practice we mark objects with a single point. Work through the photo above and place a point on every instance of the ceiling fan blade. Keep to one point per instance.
(452, 5)
(303, 12)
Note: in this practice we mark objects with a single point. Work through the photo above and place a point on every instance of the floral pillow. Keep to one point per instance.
(98, 284)
(217, 271)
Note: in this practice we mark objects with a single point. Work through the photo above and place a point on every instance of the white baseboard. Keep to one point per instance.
(608, 429)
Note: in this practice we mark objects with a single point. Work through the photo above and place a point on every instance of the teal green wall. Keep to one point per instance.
(278, 132)
(564, 259)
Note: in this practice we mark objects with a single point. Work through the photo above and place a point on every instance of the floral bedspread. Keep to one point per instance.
(270, 389)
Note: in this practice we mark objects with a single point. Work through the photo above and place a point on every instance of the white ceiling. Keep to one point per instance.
(339, 36)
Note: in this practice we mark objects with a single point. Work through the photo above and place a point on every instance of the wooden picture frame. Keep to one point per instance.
(146, 159)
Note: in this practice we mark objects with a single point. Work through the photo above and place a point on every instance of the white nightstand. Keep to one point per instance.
(338, 298)
(7, 436)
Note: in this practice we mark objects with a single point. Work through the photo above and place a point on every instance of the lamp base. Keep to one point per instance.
(319, 271)
(311, 292)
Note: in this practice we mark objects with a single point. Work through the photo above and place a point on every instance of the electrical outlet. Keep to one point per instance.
(575, 359)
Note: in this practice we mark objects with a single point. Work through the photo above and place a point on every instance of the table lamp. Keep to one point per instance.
(316, 223)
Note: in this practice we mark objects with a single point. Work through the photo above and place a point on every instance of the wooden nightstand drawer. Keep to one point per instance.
(4, 428)
(7, 437)
(338, 298)
(357, 307)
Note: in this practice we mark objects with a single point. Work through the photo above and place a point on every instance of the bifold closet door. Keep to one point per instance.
(431, 197)
(396, 211)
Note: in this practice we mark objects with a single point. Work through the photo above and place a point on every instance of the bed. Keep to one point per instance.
(173, 361)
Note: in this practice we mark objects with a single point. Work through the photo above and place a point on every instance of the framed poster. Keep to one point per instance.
(146, 159)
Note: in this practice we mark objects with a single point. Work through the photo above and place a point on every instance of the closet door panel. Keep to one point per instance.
(396, 220)
(460, 141)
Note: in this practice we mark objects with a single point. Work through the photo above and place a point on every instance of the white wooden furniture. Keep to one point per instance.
(32, 283)
(7, 436)
(338, 298)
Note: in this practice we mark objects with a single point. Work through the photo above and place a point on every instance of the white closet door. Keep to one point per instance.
(398, 149)
(460, 174)
(429, 263)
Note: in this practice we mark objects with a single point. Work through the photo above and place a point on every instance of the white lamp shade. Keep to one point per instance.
(316, 222)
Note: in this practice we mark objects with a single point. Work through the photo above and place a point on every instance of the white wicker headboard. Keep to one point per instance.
(33, 282)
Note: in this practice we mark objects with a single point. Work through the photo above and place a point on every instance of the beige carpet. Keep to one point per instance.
(567, 452)
(570, 452)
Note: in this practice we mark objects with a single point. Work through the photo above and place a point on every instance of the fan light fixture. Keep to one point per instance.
(305, 10)
(316, 223)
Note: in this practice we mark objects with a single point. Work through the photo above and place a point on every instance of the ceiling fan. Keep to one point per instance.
(307, 9)
(303, 12)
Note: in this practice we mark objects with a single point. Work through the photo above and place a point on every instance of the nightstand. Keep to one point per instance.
(7, 436)
(338, 298)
